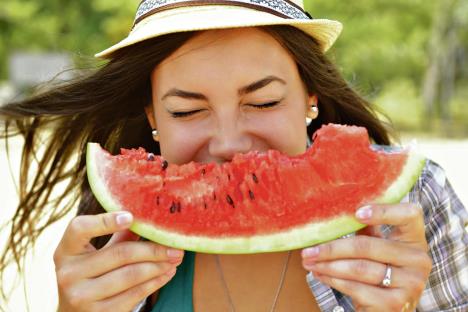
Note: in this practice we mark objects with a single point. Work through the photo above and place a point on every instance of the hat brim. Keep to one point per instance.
(221, 17)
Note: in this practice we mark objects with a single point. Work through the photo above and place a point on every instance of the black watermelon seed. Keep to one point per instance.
(150, 157)
(204, 203)
(229, 200)
(229, 177)
(203, 171)
(251, 195)
(157, 200)
(173, 208)
(164, 164)
(214, 196)
(254, 177)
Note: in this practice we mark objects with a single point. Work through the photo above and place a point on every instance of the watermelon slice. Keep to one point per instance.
(258, 202)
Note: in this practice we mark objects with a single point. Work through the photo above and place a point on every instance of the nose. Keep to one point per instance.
(228, 139)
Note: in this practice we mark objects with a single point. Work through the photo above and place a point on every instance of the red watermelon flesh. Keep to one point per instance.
(256, 197)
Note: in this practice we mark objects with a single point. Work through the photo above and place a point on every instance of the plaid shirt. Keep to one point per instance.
(445, 219)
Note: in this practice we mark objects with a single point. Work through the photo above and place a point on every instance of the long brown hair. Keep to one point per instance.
(107, 106)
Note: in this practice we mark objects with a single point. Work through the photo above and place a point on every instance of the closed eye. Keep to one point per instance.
(265, 105)
(190, 113)
(184, 114)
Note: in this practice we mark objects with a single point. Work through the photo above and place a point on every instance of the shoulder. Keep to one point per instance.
(445, 216)
(432, 177)
(445, 220)
(433, 189)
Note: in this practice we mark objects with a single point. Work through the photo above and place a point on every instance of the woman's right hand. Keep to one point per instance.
(116, 277)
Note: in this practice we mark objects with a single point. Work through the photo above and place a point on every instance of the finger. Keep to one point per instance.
(127, 277)
(108, 259)
(369, 297)
(374, 230)
(128, 299)
(364, 271)
(83, 228)
(366, 247)
(408, 220)
(122, 236)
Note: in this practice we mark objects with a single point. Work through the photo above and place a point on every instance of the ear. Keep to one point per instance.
(150, 115)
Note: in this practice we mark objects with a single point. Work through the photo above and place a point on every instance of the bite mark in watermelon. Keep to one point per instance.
(258, 202)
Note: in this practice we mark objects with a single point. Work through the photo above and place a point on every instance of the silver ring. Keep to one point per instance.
(387, 280)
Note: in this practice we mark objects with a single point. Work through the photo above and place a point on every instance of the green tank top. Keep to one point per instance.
(176, 296)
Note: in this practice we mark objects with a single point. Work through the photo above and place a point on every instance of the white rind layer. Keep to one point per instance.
(295, 238)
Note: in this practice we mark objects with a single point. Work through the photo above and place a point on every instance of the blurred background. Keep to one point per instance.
(408, 57)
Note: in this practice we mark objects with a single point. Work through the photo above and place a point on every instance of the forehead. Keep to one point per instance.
(229, 51)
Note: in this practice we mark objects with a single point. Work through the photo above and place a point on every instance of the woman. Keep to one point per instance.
(189, 84)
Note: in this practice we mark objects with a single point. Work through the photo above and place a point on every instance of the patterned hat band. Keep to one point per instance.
(282, 8)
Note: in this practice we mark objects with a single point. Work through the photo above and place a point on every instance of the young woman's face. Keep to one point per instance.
(226, 92)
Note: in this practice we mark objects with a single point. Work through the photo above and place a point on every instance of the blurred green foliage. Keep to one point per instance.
(381, 39)
(384, 50)
(82, 27)
(387, 48)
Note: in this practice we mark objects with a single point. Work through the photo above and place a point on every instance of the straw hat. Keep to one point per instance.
(159, 17)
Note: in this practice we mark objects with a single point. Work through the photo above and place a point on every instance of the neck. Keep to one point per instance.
(278, 289)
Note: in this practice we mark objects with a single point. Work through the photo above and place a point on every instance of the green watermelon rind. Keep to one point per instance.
(295, 238)
(99, 188)
(402, 185)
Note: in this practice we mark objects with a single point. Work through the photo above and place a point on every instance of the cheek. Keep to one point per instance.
(283, 129)
(289, 134)
(178, 141)
(180, 144)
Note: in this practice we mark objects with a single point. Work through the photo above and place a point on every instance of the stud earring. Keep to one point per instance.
(155, 134)
(314, 110)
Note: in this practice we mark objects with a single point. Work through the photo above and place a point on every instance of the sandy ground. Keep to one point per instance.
(40, 277)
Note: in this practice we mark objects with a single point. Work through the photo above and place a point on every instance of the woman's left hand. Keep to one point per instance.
(356, 266)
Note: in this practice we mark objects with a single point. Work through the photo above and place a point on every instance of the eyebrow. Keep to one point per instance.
(242, 91)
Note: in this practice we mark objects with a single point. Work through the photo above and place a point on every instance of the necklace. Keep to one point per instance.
(226, 289)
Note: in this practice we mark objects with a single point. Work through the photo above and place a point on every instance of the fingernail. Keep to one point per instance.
(175, 253)
(124, 218)
(310, 252)
(364, 213)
